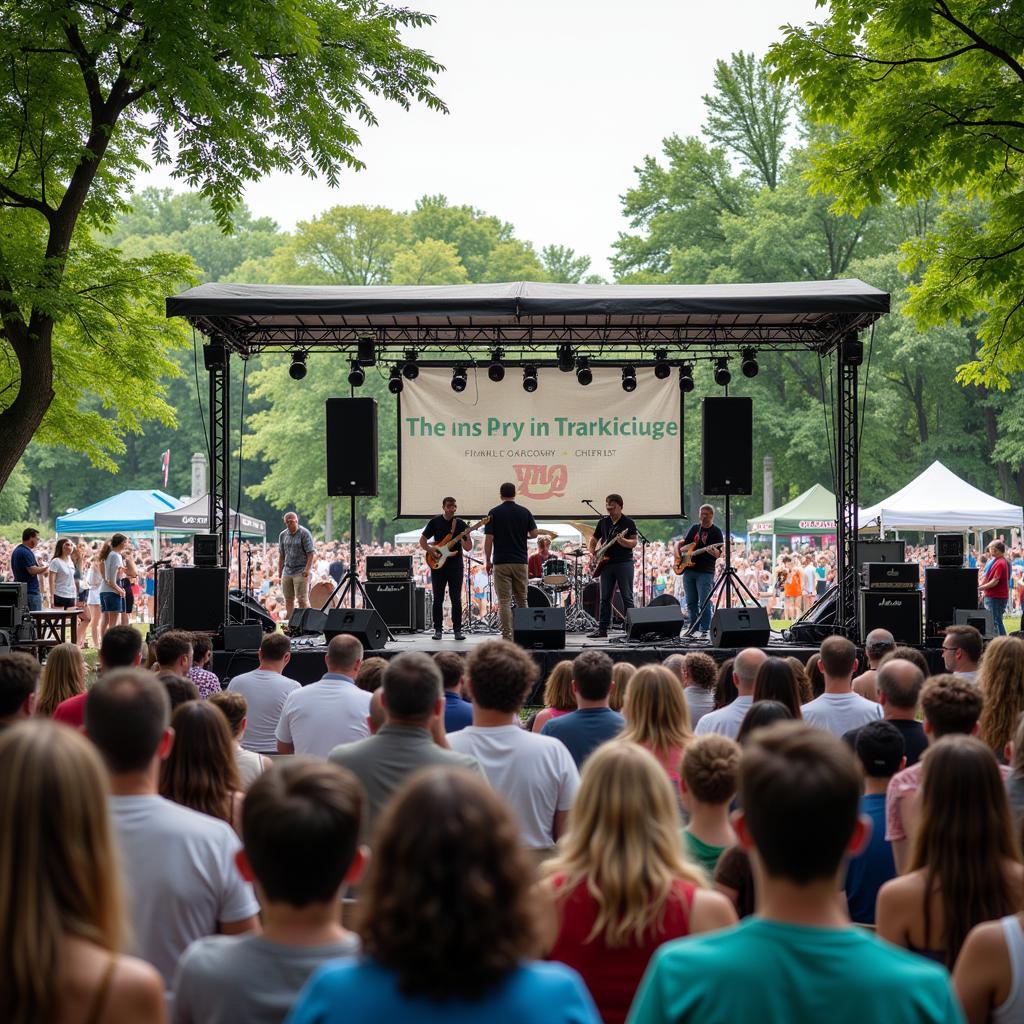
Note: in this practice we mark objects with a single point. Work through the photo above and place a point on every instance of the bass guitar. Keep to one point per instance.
(600, 558)
(439, 553)
(687, 553)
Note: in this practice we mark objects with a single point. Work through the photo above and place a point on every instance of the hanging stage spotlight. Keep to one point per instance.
(530, 379)
(410, 371)
(629, 378)
(661, 366)
(356, 377)
(496, 372)
(722, 374)
(686, 378)
(298, 368)
(395, 384)
(749, 365)
(565, 360)
(459, 379)
(583, 372)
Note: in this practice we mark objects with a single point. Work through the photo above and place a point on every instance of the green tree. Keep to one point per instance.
(428, 262)
(472, 232)
(563, 265)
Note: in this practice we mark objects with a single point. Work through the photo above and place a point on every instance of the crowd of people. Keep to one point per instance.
(685, 841)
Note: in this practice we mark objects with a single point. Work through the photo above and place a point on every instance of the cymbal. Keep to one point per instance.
(587, 529)
(579, 553)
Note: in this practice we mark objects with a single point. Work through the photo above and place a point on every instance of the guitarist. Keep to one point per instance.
(619, 570)
(697, 582)
(449, 576)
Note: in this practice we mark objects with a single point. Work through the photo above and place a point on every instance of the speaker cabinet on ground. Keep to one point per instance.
(655, 622)
(727, 431)
(945, 590)
(394, 603)
(539, 627)
(192, 598)
(898, 611)
(351, 446)
(740, 627)
(362, 623)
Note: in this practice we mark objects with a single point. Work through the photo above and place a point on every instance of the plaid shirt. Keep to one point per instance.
(206, 682)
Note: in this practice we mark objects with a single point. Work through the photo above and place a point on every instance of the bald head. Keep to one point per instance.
(744, 669)
(899, 684)
(877, 644)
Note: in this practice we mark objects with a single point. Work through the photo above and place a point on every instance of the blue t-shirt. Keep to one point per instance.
(584, 730)
(22, 557)
(866, 874)
(458, 713)
(363, 992)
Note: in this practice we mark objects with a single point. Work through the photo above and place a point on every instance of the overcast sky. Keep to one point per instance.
(552, 104)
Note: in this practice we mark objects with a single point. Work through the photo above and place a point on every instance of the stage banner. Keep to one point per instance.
(558, 445)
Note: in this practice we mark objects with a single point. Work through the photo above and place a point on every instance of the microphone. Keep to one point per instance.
(585, 501)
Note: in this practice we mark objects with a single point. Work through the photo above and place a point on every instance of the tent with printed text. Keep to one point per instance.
(812, 513)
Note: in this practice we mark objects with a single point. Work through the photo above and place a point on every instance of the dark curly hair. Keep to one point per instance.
(446, 904)
(500, 675)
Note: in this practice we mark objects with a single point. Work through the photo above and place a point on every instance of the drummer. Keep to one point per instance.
(535, 563)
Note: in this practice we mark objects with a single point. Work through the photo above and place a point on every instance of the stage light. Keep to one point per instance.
(583, 372)
(356, 377)
(496, 372)
(410, 371)
(298, 368)
(686, 378)
(749, 365)
(395, 384)
(661, 366)
(459, 379)
(565, 360)
(530, 379)
(722, 374)
(629, 378)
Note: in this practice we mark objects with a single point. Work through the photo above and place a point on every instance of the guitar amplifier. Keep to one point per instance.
(394, 603)
(891, 575)
(898, 611)
(388, 568)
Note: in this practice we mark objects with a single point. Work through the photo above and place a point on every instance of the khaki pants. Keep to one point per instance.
(509, 585)
(296, 591)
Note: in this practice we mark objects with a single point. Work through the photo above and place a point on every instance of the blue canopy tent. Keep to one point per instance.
(130, 512)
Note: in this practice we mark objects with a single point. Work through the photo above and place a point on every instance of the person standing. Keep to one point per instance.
(618, 570)
(63, 588)
(111, 592)
(448, 576)
(698, 580)
(129, 575)
(505, 555)
(27, 569)
(295, 555)
(995, 585)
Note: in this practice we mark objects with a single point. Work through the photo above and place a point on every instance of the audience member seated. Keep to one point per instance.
(711, 768)
(1001, 681)
(815, 676)
(879, 749)
(839, 709)
(174, 653)
(19, 678)
(802, 682)
(726, 721)
(300, 826)
(911, 654)
(762, 713)
(447, 911)
(877, 644)
(725, 687)
(962, 648)
(316, 718)
(657, 718)
(206, 682)
(376, 718)
(965, 866)
(410, 739)
(61, 916)
(621, 882)
(799, 959)
(775, 681)
(899, 685)
(63, 678)
(121, 647)
(699, 672)
(265, 690)
(458, 713)
(178, 864)
(535, 775)
(594, 722)
(371, 674)
(248, 763)
(558, 696)
(622, 672)
(1015, 780)
(180, 689)
(866, 685)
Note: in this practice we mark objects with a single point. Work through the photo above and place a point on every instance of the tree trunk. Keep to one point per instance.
(21, 419)
(43, 492)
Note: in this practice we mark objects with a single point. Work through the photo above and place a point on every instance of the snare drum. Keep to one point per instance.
(555, 573)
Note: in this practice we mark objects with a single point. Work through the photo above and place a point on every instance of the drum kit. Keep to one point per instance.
(565, 585)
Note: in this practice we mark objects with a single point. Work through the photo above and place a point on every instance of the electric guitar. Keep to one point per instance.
(600, 558)
(687, 553)
(439, 553)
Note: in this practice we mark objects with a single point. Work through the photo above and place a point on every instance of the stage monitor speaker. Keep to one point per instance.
(898, 611)
(242, 608)
(946, 590)
(205, 548)
(979, 618)
(352, 446)
(394, 602)
(309, 621)
(539, 627)
(740, 627)
(819, 621)
(727, 426)
(655, 622)
(362, 623)
(949, 549)
(192, 598)
(237, 637)
(663, 601)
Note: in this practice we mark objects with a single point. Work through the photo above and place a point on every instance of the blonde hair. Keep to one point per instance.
(63, 677)
(622, 672)
(558, 688)
(1001, 682)
(623, 843)
(59, 874)
(655, 711)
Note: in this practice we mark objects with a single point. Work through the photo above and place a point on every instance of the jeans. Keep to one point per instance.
(697, 586)
(620, 573)
(35, 602)
(448, 576)
(510, 584)
(997, 605)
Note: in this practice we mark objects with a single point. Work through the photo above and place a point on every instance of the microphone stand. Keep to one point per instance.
(644, 590)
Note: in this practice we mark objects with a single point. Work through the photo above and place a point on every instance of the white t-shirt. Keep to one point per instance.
(64, 585)
(838, 713)
(180, 876)
(265, 693)
(725, 721)
(535, 775)
(111, 571)
(808, 579)
(319, 717)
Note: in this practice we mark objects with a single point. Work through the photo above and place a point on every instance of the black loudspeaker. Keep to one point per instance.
(242, 637)
(192, 598)
(663, 600)
(394, 603)
(979, 618)
(242, 608)
(362, 623)
(949, 549)
(880, 551)
(898, 611)
(946, 590)
(655, 622)
(205, 548)
(740, 627)
(819, 621)
(727, 426)
(352, 446)
(539, 627)
(420, 609)
(307, 620)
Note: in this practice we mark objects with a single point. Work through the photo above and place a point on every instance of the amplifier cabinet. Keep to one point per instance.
(388, 568)
(892, 575)
(898, 611)
(394, 602)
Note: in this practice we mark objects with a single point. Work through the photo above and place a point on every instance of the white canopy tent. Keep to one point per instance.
(564, 530)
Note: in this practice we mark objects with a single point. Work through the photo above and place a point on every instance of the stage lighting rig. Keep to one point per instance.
(629, 378)
(565, 360)
(686, 378)
(395, 384)
(356, 377)
(662, 369)
(530, 379)
(298, 368)
(496, 371)
(749, 365)
(459, 379)
(722, 374)
(410, 371)
(584, 375)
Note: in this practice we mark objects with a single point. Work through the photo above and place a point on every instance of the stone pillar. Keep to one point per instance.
(769, 484)
(200, 476)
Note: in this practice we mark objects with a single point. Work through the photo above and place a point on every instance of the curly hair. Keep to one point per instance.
(701, 669)
(951, 704)
(500, 675)
(1001, 681)
(447, 902)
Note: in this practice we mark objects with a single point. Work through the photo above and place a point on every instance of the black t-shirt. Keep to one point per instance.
(606, 528)
(915, 741)
(509, 525)
(704, 538)
(336, 570)
(438, 528)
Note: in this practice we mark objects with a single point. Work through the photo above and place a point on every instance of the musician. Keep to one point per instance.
(505, 539)
(449, 576)
(618, 572)
(535, 565)
(697, 581)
